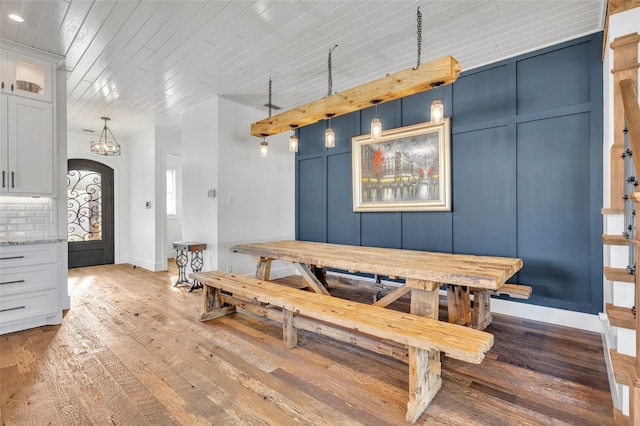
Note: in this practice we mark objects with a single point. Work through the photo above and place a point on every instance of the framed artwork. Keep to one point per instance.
(407, 169)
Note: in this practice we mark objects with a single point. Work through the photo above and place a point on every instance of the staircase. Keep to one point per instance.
(621, 336)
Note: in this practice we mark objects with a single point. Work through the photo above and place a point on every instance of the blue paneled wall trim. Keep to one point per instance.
(526, 173)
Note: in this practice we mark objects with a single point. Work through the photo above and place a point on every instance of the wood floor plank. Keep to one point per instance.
(132, 340)
(13, 403)
(314, 376)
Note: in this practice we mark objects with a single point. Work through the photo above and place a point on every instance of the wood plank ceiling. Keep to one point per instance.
(144, 62)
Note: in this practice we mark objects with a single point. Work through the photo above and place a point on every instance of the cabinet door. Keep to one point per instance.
(30, 146)
(4, 147)
(4, 72)
(27, 76)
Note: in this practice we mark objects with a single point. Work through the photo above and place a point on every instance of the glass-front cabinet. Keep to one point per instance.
(25, 76)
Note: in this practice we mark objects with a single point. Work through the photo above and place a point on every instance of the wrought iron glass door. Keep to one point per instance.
(89, 213)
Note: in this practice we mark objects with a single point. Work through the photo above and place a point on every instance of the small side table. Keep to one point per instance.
(183, 248)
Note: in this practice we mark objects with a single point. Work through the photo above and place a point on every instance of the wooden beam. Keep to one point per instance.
(387, 348)
(310, 279)
(392, 296)
(424, 381)
(289, 332)
(444, 70)
(263, 269)
(459, 305)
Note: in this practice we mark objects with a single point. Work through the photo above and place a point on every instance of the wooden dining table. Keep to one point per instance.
(424, 273)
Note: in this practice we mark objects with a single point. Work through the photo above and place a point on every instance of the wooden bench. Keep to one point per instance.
(415, 339)
(516, 291)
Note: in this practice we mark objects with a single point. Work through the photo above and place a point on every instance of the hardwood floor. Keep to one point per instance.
(132, 351)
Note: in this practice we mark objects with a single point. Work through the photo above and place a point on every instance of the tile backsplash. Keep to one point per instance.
(27, 218)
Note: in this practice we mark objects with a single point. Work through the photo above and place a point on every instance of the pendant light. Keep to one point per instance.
(293, 139)
(437, 111)
(103, 146)
(437, 107)
(376, 124)
(329, 135)
(264, 145)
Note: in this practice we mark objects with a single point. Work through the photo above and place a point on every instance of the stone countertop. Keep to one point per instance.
(26, 241)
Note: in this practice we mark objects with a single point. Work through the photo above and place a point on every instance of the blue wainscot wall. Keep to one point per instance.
(526, 150)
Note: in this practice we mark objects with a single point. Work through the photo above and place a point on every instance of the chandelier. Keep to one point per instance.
(103, 146)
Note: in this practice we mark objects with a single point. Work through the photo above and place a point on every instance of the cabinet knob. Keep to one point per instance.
(3, 173)
(13, 179)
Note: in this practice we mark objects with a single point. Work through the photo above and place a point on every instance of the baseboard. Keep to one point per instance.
(37, 321)
(608, 343)
(579, 320)
(144, 264)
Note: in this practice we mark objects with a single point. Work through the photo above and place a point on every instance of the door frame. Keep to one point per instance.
(117, 194)
(107, 242)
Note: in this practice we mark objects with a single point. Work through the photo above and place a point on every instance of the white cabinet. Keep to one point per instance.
(25, 76)
(26, 146)
(29, 293)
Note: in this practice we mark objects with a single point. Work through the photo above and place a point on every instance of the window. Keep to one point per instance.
(172, 193)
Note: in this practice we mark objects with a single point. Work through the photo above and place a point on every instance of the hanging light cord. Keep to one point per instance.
(330, 77)
(270, 98)
(419, 37)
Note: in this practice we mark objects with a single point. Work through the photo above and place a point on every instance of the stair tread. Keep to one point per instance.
(618, 274)
(614, 240)
(620, 316)
(622, 364)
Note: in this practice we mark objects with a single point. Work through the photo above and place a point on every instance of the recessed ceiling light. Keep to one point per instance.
(16, 18)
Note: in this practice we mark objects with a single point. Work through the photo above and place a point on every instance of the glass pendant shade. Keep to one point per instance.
(264, 148)
(376, 128)
(103, 146)
(293, 143)
(437, 111)
(329, 138)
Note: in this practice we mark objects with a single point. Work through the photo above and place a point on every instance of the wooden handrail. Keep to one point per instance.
(629, 93)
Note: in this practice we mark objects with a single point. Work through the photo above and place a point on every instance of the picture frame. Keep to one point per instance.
(406, 169)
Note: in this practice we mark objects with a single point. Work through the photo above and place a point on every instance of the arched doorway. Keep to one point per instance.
(90, 223)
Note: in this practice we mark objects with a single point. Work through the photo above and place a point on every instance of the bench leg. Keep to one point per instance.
(289, 332)
(264, 269)
(481, 313)
(459, 304)
(213, 306)
(424, 381)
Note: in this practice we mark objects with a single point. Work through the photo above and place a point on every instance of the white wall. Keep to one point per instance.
(199, 174)
(143, 189)
(255, 196)
(78, 147)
